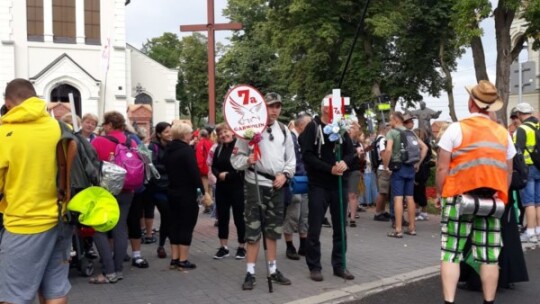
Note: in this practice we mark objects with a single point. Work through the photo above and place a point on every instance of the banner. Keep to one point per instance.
(244, 109)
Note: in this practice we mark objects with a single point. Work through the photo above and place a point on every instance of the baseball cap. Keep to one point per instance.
(407, 117)
(524, 108)
(272, 98)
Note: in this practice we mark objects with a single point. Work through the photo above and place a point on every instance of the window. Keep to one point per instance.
(64, 21)
(92, 21)
(34, 20)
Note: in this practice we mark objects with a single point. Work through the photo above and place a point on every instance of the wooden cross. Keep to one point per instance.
(211, 28)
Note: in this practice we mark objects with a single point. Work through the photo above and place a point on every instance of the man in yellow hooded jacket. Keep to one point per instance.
(34, 244)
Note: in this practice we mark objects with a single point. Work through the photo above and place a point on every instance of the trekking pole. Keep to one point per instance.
(263, 224)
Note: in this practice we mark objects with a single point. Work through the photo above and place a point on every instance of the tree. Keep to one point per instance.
(164, 49)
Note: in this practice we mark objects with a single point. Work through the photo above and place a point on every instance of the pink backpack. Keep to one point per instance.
(127, 157)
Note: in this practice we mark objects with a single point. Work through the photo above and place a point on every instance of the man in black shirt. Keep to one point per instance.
(323, 170)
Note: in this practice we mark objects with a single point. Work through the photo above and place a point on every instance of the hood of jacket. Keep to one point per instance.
(29, 110)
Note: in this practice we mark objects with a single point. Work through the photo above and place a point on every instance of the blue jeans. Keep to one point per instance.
(530, 195)
(402, 181)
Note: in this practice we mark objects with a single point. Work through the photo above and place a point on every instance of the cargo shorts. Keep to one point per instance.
(271, 209)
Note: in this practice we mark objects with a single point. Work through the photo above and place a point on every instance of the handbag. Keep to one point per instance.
(394, 166)
(299, 184)
(479, 206)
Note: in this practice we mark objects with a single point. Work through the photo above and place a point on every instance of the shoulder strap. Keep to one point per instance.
(284, 130)
(65, 154)
(111, 138)
(403, 137)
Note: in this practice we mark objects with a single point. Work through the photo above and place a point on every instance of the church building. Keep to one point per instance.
(79, 47)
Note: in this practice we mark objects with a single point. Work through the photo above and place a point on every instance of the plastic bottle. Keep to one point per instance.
(111, 157)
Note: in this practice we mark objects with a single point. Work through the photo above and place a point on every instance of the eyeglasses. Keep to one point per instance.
(269, 131)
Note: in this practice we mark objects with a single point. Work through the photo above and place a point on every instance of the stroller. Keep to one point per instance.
(81, 256)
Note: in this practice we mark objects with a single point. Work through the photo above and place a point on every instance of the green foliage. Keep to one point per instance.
(165, 49)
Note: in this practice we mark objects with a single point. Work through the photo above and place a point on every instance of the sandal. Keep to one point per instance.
(139, 262)
(104, 279)
(410, 232)
(395, 234)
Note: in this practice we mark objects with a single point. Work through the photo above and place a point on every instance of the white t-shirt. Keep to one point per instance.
(381, 146)
(453, 136)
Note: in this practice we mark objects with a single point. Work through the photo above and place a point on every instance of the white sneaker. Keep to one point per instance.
(533, 239)
(525, 238)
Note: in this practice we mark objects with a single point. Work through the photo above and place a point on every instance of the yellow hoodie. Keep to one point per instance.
(28, 138)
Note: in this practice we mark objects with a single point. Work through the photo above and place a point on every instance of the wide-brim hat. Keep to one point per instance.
(97, 207)
(485, 96)
(407, 117)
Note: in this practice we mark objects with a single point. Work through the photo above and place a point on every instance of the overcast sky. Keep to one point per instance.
(151, 18)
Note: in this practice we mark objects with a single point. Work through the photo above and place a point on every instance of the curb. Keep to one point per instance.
(360, 291)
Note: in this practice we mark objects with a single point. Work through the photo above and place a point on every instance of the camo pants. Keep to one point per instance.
(271, 208)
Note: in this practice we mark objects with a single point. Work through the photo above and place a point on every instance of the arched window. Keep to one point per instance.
(143, 98)
(61, 94)
(92, 21)
(64, 21)
(34, 20)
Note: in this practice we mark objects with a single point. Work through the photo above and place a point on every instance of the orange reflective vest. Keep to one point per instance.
(480, 160)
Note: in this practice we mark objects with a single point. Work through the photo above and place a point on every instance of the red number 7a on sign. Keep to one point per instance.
(246, 99)
(337, 103)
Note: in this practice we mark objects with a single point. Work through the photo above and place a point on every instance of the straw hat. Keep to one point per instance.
(485, 96)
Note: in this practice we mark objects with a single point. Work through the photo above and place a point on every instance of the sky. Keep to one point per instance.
(146, 19)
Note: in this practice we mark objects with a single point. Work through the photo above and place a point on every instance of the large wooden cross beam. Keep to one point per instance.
(211, 28)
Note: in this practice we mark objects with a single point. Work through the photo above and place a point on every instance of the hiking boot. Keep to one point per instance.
(343, 274)
(381, 218)
(222, 253)
(279, 278)
(316, 275)
(291, 254)
(186, 265)
(326, 223)
(249, 282)
(240, 253)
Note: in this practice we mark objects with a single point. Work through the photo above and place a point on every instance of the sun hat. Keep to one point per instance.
(485, 96)
(97, 207)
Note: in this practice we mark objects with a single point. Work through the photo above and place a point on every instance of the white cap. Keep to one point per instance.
(524, 108)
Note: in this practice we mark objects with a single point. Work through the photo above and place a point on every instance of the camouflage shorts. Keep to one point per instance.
(272, 209)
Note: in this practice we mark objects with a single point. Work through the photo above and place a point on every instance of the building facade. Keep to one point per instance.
(79, 47)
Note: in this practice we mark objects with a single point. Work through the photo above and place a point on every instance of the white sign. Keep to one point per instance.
(244, 109)
(337, 103)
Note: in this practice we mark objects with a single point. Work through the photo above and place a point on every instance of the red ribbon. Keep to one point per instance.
(256, 151)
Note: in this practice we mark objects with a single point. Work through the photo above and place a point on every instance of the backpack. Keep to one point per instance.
(374, 154)
(410, 147)
(535, 152)
(127, 157)
(85, 165)
(520, 172)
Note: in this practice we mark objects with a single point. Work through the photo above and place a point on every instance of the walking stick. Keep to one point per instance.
(341, 208)
(263, 224)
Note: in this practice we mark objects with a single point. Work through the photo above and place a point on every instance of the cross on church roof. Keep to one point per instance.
(211, 27)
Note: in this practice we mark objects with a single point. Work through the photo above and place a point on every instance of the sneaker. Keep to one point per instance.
(119, 275)
(240, 253)
(381, 218)
(139, 262)
(326, 223)
(279, 278)
(149, 239)
(292, 254)
(174, 264)
(249, 282)
(222, 253)
(183, 265)
(161, 253)
(421, 218)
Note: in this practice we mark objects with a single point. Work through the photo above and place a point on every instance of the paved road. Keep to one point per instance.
(375, 259)
(428, 291)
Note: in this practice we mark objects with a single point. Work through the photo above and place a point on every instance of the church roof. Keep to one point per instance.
(56, 61)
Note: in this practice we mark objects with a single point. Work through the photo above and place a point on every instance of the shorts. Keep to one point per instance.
(32, 262)
(272, 210)
(455, 229)
(383, 181)
(402, 181)
(530, 195)
(354, 181)
(296, 215)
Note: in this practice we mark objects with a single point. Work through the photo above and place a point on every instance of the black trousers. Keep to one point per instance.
(227, 197)
(183, 218)
(135, 215)
(319, 201)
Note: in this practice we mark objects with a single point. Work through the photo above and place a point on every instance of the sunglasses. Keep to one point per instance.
(269, 131)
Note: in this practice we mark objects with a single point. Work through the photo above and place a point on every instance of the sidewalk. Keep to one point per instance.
(375, 259)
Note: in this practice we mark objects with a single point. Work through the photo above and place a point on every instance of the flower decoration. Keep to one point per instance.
(336, 129)
(254, 140)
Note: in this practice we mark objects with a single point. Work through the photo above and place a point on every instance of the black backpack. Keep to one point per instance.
(375, 155)
(410, 147)
(520, 172)
(535, 152)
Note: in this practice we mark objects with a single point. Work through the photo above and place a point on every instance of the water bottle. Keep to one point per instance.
(199, 197)
(111, 157)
